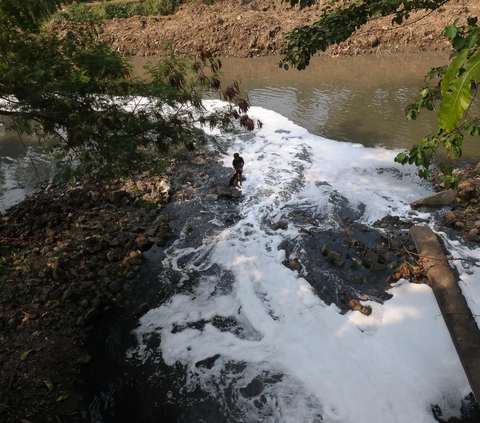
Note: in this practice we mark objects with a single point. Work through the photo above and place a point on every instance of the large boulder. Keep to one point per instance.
(439, 199)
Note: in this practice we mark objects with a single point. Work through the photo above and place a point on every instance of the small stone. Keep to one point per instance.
(91, 315)
(116, 196)
(449, 217)
(84, 303)
(459, 225)
(135, 254)
(130, 275)
(143, 243)
(335, 258)
(326, 249)
(102, 273)
(112, 256)
(84, 360)
(92, 245)
(67, 294)
(281, 224)
(114, 287)
(474, 231)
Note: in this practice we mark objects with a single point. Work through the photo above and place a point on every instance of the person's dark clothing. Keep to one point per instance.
(238, 166)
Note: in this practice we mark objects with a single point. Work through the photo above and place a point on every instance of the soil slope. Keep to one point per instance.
(249, 28)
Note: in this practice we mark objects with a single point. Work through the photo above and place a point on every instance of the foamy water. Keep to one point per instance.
(289, 357)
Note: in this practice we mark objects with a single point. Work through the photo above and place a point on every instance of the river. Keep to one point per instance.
(353, 99)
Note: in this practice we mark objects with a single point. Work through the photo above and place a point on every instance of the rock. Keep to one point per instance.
(223, 191)
(212, 197)
(84, 360)
(326, 250)
(335, 258)
(449, 217)
(370, 257)
(141, 309)
(293, 264)
(440, 199)
(67, 294)
(143, 243)
(84, 303)
(474, 231)
(113, 256)
(355, 305)
(115, 287)
(102, 273)
(378, 266)
(130, 275)
(281, 224)
(116, 196)
(92, 245)
(92, 313)
(459, 225)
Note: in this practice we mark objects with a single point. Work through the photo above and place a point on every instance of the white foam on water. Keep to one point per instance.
(291, 357)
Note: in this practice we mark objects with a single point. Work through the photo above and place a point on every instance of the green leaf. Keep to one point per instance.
(454, 104)
(62, 397)
(452, 70)
(401, 158)
(451, 31)
(446, 169)
(48, 384)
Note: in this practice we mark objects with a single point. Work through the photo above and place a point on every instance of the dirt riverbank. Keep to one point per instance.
(249, 28)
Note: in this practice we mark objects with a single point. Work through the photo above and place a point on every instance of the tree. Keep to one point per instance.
(78, 96)
(454, 86)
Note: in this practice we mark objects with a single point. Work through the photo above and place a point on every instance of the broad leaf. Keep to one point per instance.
(452, 70)
(454, 104)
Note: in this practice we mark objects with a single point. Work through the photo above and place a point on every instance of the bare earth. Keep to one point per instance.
(255, 28)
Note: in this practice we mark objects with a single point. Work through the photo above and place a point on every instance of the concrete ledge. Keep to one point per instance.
(458, 317)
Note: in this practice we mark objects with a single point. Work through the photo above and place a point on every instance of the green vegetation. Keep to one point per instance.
(450, 90)
(108, 10)
(78, 97)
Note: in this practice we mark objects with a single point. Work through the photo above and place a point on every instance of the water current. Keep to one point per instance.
(252, 340)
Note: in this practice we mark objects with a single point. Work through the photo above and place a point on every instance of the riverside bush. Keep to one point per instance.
(110, 10)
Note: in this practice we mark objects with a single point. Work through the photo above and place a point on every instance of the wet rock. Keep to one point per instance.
(281, 224)
(293, 264)
(212, 196)
(141, 309)
(335, 258)
(84, 303)
(326, 250)
(355, 305)
(369, 258)
(459, 225)
(449, 218)
(440, 199)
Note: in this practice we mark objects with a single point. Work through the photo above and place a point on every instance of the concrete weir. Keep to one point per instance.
(456, 313)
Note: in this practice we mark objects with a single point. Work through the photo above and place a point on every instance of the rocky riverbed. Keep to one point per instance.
(74, 256)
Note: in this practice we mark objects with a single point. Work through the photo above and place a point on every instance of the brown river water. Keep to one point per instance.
(352, 99)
